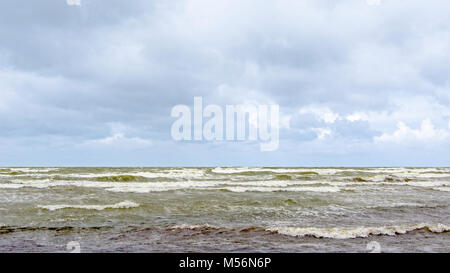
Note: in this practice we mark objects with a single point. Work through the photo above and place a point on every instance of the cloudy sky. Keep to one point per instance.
(94, 84)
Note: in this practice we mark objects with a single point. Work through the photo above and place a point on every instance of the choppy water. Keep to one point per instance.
(224, 209)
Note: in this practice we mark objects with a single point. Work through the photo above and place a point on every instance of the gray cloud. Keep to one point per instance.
(67, 73)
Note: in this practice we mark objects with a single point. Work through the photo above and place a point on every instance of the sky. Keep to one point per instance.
(357, 84)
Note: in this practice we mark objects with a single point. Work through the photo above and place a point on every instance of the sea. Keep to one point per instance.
(225, 209)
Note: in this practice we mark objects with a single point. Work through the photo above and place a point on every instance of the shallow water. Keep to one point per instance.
(224, 209)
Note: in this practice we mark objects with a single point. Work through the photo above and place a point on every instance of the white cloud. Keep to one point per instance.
(404, 134)
(322, 113)
(322, 133)
(120, 140)
(285, 121)
(357, 116)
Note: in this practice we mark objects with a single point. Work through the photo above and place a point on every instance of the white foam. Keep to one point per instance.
(116, 186)
(430, 184)
(43, 173)
(11, 186)
(356, 232)
(272, 183)
(194, 227)
(121, 205)
(139, 189)
(400, 205)
(281, 189)
(320, 185)
(161, 186)
(177, 173)
(33, 170)
(442, 188)
(220, 170)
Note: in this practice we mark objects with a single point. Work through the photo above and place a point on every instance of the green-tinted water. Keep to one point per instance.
(224, 209)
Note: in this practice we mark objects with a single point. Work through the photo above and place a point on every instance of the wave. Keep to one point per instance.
(357, 232)
(283, 177)
(116, 187)
(26, 171)
(430, 184)
(272, 183)
(121, 178)
(128, 176)
(207, 228)
(259, 171)
(359, 179)
(227, 185)
(133, 184)
(11, 173)
(11, 186)
(121, 205)
(163, 186)
(197, 227)
(329, 233)
(103, 174)
(280, 189)
(10, 229)
(404, 205)
(442, 188)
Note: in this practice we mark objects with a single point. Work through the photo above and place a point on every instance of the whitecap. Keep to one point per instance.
(281, 189)
(121, 205)
(442, 188)
(356, 232)
(11, 186)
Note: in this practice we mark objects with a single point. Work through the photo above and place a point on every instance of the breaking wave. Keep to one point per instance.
(442, 189)
(121, 205)
(259, 171)
(121, 178)
(10, 229)
(281, 189)
(330, 233)
(197, 227)
(357, 232)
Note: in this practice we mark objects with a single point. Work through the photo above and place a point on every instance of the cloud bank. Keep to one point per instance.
(94, 84)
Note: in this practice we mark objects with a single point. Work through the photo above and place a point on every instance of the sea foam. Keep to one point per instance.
(357, 232)
(121, 205)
